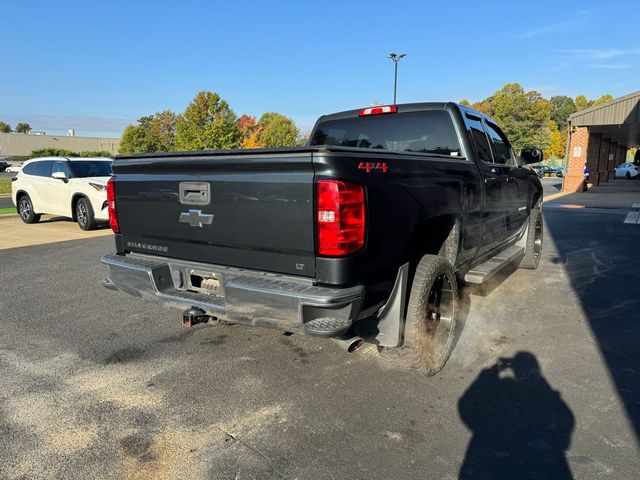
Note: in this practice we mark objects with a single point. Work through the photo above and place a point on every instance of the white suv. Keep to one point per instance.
(69, 187)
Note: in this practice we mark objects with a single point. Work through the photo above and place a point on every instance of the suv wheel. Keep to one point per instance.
(431, 318)
(84, 215)
(25, 209)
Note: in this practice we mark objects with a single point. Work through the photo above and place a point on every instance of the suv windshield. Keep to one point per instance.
(88, 168)
(420, 132)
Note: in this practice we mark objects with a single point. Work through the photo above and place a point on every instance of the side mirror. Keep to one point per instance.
(531, 155)
(59, 176)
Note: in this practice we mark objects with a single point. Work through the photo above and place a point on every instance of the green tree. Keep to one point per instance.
(5, 127)
(134, 137)
(161, 133)
(465, 102)
(153, 133)
(524, 116)
(207, 123)
(278, 131)
(561, 107)
(23, 128)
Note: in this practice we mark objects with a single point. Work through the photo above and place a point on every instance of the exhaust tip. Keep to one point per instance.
(350, 345)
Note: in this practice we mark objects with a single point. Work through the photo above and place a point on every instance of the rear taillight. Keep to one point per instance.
(379, 110)
(341, 218)
(111, 206)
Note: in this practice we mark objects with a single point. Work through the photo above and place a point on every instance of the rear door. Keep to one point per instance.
(243, 210)
(495, 186)
(516, 179)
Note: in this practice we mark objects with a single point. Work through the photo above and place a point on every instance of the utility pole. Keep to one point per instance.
(395, 58)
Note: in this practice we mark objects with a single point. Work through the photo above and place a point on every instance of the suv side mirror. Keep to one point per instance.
(531, 155)
(60, 176)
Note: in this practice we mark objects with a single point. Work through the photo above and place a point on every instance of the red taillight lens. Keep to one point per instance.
(111, 206)
(341, 218)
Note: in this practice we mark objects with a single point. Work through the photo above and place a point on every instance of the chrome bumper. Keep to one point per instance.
(247, 297)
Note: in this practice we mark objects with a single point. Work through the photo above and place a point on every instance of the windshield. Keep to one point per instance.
(90, 168)
(420, 132)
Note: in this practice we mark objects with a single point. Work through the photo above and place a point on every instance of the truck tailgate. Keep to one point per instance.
(242, 210)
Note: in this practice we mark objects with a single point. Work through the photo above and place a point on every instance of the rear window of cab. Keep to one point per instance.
(429, 132)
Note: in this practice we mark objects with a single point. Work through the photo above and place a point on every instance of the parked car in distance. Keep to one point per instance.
(548, 171)
(4, 166)
(538, 170)
(626, 170)
(69, 187)
(14, 169)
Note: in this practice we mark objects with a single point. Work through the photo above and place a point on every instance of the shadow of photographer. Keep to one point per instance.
(521, 426)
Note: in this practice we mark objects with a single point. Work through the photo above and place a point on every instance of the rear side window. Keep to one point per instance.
(479, 138)
(43, 169)
(30, 169)
(501, 147)
(417, 132)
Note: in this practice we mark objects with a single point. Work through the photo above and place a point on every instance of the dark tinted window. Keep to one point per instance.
(479, 138)
(60, 167)
(30, 169)
(88, 168)
(43, 169)
(501, 147)
(421, 132)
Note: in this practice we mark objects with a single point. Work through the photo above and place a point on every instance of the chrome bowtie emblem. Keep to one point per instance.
(196, 218)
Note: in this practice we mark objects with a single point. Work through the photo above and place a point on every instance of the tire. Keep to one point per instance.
(84, 215)
(628, 174)
(534, 240)
(25, 209)
(431, 319)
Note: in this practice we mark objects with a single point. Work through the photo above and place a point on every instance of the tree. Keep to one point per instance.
(524, 116)
(250, 131)
(561, 107)
(606, 98)
(582, 103)
(207, 123)
(161, 133)
(153, 133)
(557, 142)
(5, 127)
(465, 102)
(278, 131)
(23, 128)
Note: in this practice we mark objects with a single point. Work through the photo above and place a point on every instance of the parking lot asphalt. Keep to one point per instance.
(5, 202)
(95, 383)
(551, 185)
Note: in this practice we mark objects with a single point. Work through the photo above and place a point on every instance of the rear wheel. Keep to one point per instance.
(431, 318)
(533, 241)
(25, 209)
(84, 215)
(628, 174)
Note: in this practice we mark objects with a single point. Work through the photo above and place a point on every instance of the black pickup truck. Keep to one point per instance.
(365, 233)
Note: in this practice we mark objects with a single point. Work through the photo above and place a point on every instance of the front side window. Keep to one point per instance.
(501, 147)
(60, 167)
(429, 132)
(88, 168)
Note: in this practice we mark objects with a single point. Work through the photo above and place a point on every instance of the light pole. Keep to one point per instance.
(395, 58)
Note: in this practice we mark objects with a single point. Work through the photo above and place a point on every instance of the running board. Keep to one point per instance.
(488, 269)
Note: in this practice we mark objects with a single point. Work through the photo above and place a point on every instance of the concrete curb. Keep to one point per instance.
(4, 216)
(5, 195)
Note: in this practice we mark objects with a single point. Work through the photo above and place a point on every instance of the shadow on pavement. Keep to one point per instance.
(600, 256)
(521, 426)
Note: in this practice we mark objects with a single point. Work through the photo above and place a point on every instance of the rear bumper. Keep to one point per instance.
(247, 297)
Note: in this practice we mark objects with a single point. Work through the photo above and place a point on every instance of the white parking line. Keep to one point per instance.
(632, 217)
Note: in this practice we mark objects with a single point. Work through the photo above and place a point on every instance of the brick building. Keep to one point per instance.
(598, 140)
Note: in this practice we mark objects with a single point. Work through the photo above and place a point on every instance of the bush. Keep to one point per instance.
(61, 152)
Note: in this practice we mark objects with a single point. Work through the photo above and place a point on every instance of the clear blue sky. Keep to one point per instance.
(96, 66)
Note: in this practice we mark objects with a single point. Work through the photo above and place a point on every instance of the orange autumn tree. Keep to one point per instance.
(250, 131)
